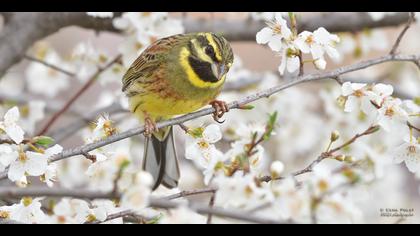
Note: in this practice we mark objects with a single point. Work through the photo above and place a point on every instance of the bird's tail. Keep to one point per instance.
(160, 159)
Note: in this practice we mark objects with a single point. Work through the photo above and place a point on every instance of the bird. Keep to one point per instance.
(175, 75)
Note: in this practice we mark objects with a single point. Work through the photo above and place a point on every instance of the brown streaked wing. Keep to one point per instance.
(149, 61)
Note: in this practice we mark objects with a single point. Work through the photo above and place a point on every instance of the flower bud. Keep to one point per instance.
(349, 159)
(277, 167)
(340, 157)
(335, 135)
(320, 64)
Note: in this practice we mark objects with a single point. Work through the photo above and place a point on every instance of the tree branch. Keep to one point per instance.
(411, 19)
(23, 30)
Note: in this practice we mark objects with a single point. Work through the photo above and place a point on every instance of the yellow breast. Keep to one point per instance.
(162, 108)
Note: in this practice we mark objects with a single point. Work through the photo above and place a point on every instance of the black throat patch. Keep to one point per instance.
(202, 69)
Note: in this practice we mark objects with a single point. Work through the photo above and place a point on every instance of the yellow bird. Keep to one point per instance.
(175, 75)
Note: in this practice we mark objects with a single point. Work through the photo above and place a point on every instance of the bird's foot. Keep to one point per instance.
(149, 126)
(220, 108)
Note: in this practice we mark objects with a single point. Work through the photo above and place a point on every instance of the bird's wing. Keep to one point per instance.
(149, 61)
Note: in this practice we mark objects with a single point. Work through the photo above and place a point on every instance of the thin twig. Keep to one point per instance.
(47, 64)
(77, 95)
(413, 127)
(190, 193)
(324, 155)
(233, 105)
(211, 205)
(401, 35)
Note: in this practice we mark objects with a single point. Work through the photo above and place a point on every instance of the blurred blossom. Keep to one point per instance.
(373, 40)
(86, 59)
(182, 215)
(266, 16)
(142, 29)
(31, 114)
(241, 191)
(376, 16)
(136, 196)
(101, 14)
(45, 76)
(12, 84)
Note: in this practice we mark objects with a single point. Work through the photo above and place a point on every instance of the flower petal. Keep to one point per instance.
(15, 133)
(16, 171)
(293, 64)
(36, 164)
(352, 104)
(212, 133)
(276, 43)
(264, 35)
(12, 115)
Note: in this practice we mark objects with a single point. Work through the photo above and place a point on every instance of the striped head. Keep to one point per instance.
(206, 59)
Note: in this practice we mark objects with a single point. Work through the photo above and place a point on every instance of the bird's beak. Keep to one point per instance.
(219, 70)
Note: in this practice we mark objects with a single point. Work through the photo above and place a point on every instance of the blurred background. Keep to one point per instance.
(308, 113)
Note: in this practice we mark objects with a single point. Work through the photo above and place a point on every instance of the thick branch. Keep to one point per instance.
(23, 30)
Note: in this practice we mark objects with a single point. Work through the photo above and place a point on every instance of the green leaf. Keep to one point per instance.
(246, 107)
(270, 125)
(43, 141)
(197, 132)
(155, 220)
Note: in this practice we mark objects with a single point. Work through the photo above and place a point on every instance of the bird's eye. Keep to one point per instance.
(209, 50)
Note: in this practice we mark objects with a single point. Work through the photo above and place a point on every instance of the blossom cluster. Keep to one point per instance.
(259, 161)
(290, 45)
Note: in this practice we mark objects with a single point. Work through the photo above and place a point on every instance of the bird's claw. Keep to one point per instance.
(220, 108)
(149, 127)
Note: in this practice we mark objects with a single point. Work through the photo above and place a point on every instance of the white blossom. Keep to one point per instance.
(409, 152)
(274, 33)
(31, 163)
(7, 156)
(202, 150)
(391, 115)
(28, 211)
(47, 77)
(289, 59)
(9, 125)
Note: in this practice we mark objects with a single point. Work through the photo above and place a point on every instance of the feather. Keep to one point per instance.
(161, 161)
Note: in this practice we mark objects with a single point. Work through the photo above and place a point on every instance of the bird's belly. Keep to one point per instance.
(159, 107)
